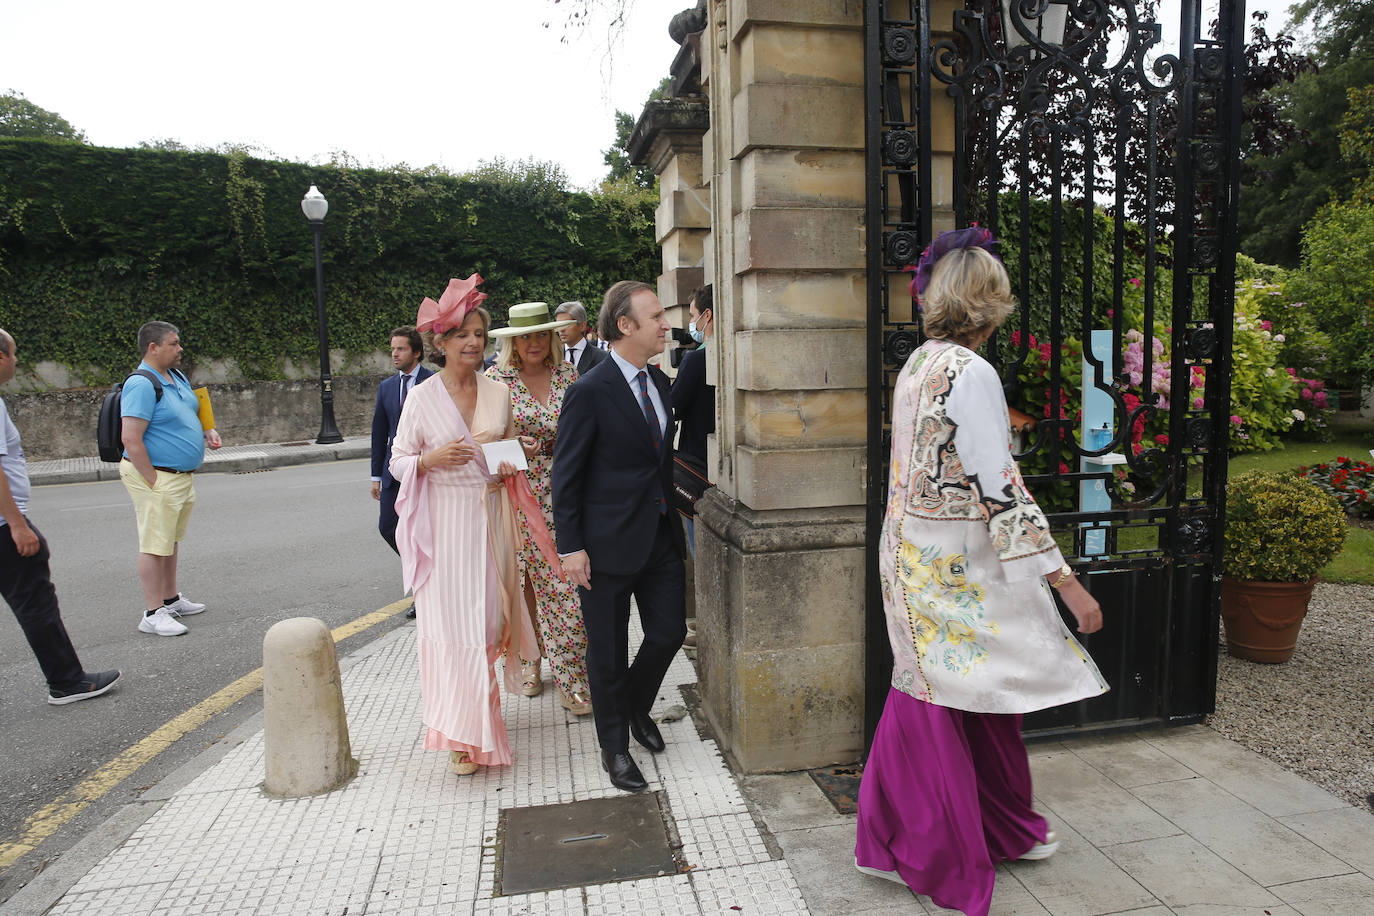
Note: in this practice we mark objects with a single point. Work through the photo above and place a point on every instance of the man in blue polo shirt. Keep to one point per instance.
(163, 445)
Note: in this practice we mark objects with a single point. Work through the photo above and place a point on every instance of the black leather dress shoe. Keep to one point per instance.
(410, 614)
(645, 731)
(623, 770)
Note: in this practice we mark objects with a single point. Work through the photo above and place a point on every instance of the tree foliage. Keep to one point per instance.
(1336, 278)
(94, 241)
(1290, 184)
(21, 118)
(617, 158)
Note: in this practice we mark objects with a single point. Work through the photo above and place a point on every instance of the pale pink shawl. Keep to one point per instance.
(414, 530)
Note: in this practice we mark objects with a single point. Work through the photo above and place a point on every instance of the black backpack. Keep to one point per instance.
(109, 426)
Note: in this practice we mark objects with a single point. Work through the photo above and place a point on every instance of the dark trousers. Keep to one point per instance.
(387, 521)
(619, 686)
(27, 588)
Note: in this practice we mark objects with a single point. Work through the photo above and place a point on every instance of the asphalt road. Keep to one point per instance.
(262, 546)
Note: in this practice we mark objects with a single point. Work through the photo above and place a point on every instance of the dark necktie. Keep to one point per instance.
(655, 432)
(405, 388)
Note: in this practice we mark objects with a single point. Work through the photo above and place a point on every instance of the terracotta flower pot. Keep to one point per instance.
(1263, 618)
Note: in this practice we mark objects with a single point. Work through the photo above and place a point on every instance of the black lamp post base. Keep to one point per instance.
(329, 430)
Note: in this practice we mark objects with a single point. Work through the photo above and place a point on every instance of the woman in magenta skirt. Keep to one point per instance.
(967, 563)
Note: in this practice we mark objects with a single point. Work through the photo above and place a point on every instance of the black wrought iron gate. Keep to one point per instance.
(1105, 158)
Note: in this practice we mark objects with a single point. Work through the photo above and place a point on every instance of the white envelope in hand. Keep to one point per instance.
(504, 450)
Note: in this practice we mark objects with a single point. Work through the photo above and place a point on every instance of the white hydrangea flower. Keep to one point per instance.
(1299, 415)
(1279, 338)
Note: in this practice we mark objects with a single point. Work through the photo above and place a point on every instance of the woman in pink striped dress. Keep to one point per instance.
(459, 535)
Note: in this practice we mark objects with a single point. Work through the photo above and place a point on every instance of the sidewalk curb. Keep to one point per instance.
(48, 887)
(232, 459)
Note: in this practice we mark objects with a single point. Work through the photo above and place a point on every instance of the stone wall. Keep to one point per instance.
(61, 424)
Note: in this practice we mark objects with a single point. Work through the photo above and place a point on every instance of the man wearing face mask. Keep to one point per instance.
(694, 401)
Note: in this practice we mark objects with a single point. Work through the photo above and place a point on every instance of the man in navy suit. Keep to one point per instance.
(406, 350)
(577, 349)
(612, 475)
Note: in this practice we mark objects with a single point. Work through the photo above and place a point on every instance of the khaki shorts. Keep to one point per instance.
(163, 511)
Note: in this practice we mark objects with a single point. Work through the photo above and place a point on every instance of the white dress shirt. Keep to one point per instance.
(630, 370)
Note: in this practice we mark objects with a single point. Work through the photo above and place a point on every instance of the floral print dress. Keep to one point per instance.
(558, 610)
(964, 550)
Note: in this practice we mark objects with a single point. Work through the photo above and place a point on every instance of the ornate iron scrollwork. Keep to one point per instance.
(898, 346)
(1211, 63)
(1208, 157)
(1206, 253)
(1199, 432)
(902, 247)
(899, 47)
(1195, 536)
(900, 148)
(1200, 344)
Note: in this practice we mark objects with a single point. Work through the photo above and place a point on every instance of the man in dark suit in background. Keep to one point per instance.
(612, 475)
(406, 350)
(577, 349)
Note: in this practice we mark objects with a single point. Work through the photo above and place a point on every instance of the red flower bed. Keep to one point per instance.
(1351, 482)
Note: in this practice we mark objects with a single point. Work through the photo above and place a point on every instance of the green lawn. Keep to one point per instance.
(1353, 438)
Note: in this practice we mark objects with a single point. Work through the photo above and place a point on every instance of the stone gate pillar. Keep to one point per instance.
(780, 541)
(780, 564)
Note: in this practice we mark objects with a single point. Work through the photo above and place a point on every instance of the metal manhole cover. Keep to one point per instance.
(597, 841)
(840, 785)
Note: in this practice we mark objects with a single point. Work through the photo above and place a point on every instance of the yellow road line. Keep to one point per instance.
(46, 821)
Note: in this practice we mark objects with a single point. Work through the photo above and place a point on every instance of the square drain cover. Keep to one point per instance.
(841, 786)
(588, 842)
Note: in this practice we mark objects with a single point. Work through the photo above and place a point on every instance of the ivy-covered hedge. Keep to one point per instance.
(95, 241)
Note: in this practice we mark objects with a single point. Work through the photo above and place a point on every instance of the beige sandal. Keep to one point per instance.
(461, 764)
(531, 685)
(576, 703)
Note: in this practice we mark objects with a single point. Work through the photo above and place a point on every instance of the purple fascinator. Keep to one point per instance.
(975, 236)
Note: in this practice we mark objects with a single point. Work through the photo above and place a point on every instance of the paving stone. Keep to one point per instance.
(1340, 895)
(1129, 760)
(1181, 872)
(1243, 773)
(1253, 842)
(1099, 809)
(1347, 833)
(1079, 880)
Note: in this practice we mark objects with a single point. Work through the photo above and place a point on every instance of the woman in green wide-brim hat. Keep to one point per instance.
(529, 361)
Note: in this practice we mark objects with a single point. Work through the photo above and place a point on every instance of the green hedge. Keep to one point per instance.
(95, 241)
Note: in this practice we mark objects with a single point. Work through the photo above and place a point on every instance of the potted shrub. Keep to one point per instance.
(1280, 529)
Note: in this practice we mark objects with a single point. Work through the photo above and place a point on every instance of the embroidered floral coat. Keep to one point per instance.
(965, 548)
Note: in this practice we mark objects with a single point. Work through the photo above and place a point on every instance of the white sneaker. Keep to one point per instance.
(161, 623)
(1043, 850)
(183, 608)
(879, 873)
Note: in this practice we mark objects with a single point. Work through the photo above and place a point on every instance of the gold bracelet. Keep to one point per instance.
(1064, 573)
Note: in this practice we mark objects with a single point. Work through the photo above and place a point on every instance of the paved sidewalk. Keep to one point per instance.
(231, 458)
(1179, 821)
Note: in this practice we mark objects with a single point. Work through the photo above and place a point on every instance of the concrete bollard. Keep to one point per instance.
(306, 733)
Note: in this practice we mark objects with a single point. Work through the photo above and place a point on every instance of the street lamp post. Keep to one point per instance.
(315, 207)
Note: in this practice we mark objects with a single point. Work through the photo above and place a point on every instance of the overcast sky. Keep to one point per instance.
(445, 82)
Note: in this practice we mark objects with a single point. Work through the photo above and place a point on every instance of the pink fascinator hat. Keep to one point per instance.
(453, 306)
